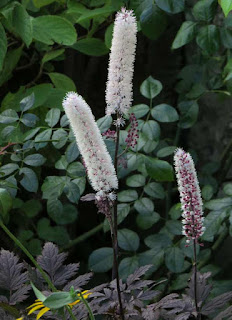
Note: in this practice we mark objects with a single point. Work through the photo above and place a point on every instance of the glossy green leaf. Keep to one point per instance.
(208, 39)
(34, 160)
(8, 116)
(91, 46)
(42, 138)
(62, 81)
(155, 190)
(185, 34)
(109, 35)
(151, 129)
(159, 170)
(174, 259)
(104, 123)
(52, 117)
(164, 113)
(226, 6)
(153, 21)
(72, 152)
(150, 88)
(29, 180)
(22, 24)
(127, 196)
(101, 260)
(144, 205)
(171, 6)
(205, 10)
(10, 62)
(49, 29)
(51, 55)
(27, 102)
(128, 240)
(165, 152)
(139, 110)
(58, 300)
(135, 181)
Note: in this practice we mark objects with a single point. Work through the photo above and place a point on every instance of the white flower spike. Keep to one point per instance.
(121, 63)
(190, 195)
(100, 169)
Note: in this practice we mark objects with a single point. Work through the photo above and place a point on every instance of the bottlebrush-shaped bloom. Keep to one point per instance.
(190, 195)
(98, 162)
(121, 64)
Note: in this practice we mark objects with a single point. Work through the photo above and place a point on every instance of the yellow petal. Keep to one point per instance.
(35, 308)
(19, 318)
(42, 312)
(35, 304)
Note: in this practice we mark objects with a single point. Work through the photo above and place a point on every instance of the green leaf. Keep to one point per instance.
(61, 214)
(90, 14)
(185, 34)
(226, 37)
(139, 110)
(76, 169)
(155, 190)
(207, 192)
(151, 257)
(104, 123)
(31, 208)
(158, 241)
(174, 227)
(8, 116)
(56, 234)
(10, 62)
(164, 113)
(212, 224)
(226, 6)
(42, 138)
(150, 88)
(109, 35)
(61, 136)
(205, 10)
(208, 39)
(165, 152)
(42, 3)
(180, 282)
(72, 152)
(30, 180)
(50, 55)
(127, 266)
(153, 21)
(3, 45)
(136, 181)
(8, 169)
(128, 240)
(27, 102)
(52, 117)
(146, 221)
(35, 160)
(228, 189)
(91, 46)
(58, 300)
(219, 204)
(144, 205)
(175, 211)
(127, 196)
(159, 170)
(101, 260)
(49, 29)
(53, 187)
(174, 259)
(5, 203)
(123, 211)
(29, 119)
(188, 113)
(62, 81)
(72, 191)
(171, 6)
(38, 294)
(22, 24)
(151, 129)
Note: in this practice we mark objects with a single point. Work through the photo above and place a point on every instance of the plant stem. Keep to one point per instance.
(27, 253)
(87, 306)
(195, 278)
(114, 227)
(83, 237)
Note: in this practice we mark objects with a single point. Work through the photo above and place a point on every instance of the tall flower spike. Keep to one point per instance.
(190, 195)
(100, 169)
(121, 64)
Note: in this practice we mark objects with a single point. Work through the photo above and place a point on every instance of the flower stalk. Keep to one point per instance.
(191, 205)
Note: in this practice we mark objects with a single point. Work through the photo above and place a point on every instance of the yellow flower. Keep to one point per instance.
(38, 305)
